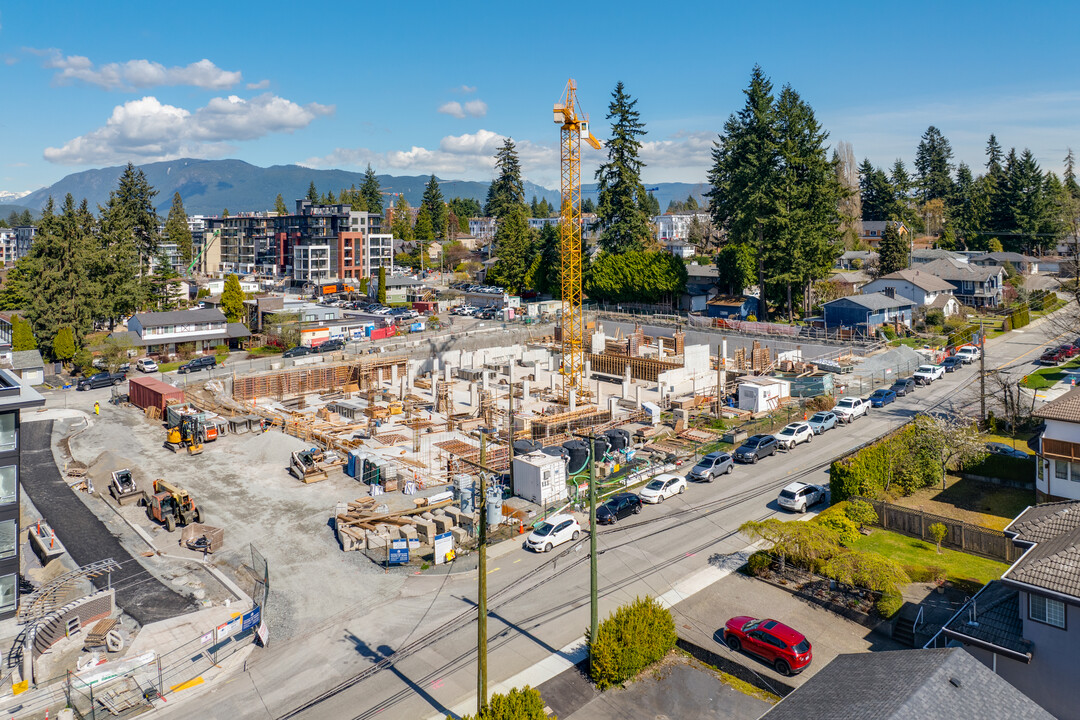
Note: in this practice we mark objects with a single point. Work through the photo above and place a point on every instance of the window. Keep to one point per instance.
(1046, 610)
(8, 533)
(7, 431)
(7, 484)
(1074, 472)
(1061, 470)
(7, 592)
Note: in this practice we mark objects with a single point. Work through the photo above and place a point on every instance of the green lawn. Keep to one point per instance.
(1049, 376)
(912, 551)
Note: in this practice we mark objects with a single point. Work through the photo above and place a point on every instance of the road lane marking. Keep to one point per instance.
(491, 571)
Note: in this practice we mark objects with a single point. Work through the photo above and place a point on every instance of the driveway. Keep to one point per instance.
(701, 618)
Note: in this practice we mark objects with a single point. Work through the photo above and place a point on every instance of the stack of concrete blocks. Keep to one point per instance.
(425, 529)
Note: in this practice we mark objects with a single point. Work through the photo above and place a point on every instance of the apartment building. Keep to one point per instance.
(7, 246)
(24, 238)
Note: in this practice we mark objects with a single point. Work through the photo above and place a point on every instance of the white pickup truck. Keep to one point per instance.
(927, 374)
(968, 354)
(849, 408)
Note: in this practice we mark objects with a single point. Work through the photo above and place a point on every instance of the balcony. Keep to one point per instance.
(1061, 449)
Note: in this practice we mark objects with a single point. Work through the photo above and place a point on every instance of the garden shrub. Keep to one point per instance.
(220, 350)
(890, 334)
(895, 463)
(847, 530)
(861, 512)
(889, 604)
(634, 637)
(518, 704)
(925, 573)
(758, 563)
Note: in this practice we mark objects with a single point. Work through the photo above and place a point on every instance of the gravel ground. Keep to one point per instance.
(241, 484)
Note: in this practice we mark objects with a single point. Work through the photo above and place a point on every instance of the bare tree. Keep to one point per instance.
(850, 206)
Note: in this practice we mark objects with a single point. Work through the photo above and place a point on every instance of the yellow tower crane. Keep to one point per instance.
(575, 127)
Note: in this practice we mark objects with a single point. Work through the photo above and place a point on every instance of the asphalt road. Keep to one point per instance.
(539, 604)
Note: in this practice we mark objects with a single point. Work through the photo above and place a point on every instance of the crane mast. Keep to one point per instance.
(574, 128)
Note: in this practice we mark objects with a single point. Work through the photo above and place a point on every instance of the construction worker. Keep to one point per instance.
(97, 408)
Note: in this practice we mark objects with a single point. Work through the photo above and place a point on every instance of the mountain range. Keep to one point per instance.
(207, 187)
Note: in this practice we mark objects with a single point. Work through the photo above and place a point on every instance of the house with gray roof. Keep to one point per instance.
(871, 231)
(855, 259)
(866, 313)
(1022, 263)
(160, 333)
(925, 255)
(922, 288)
(1057, 470)
(28, 366)
(1025, 627)
(972, 285)
(934, 684)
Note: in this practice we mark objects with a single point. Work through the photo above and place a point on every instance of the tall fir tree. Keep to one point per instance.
(892, 251)
(967, 209)
(436, 206)
(545, 274)
(877, 194)
(232, 299)
(933, 166)
(279, 205)
(514, 251)
(622, 203)
(313, 193)
(166, 282)
(901, 206)
(177, 230)
(506, 191)
(372, 192)
(401, 226)
(1069, 177)
(424, 232)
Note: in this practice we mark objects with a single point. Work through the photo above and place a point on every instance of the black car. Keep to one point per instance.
(101, 380)
(952, 362)
(298, 351)
(617, 508)
(903, 386)
(756, 447)
(332, 345)
(205, 362)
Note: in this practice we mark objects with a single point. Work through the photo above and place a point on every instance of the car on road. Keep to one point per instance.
(553, 532)
(969, 354)
(998, 448)
(799, 496)
(882, 397)
(618, 507)
(756, 447)
(662, 487)
(146, 365)
(332, 345)
(785, 648)
(1053, 356)
(903, 386)
(849, 408)
(927, 374)
(952, 362)
(794, 434)
(713, 464)
(206, 362)
(100, 380)
(1069, 350)
(295, 352)
(819, 422)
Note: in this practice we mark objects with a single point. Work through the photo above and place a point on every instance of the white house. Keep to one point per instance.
(1057, 476)
(921, 288)
(161, 332)
(676, 226)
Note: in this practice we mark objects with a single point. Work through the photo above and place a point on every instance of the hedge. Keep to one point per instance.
(887, 463)
(634, 637)
(1002, 466)
(523, 704)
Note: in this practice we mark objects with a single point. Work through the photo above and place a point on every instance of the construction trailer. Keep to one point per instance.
(540, 478)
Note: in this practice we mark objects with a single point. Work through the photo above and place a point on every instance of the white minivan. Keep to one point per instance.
(146, 365)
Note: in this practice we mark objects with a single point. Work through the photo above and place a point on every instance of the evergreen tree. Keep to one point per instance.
(506, 191)
(588, 206)
(22, 334)
(1070, 175)
(636, 276)
(736, 268)
(993, 155)
(423, 231)
(176, 228)
(544, 209)
(371, 191)
(165, 283)
(514, 251)
(901, 206)
(622, 203)
(892, 251)
(545, 274)
(465, 208)
(382, 285)
(63, 348)
(691, 203)
(232, 299)
(436, 207)
(225, 213)
(18, 287)
(967, 208)
(313, 193)
(534, 208)
(878, 197)
(933, 166)
(330, 199)
(401, 227)
(652, 206)
(279, 206)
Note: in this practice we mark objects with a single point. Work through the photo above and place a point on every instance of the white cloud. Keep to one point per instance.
(261, 85)
(467, 89)
(476, 108)
(138, 74)
(452, 108)
(146, 130)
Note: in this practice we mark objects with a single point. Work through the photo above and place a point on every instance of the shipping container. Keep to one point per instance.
(147, 392)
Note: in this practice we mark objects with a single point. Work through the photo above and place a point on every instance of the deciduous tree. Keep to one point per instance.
(232, 299)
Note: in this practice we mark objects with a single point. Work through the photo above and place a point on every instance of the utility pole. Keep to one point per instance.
(510, 434)
(982, 373)
(594, 621)
(481, 597)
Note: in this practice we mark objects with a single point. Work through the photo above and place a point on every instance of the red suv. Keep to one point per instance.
(774, 642)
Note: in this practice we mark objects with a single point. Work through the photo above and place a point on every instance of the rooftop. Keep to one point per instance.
(180, 317)
(1003, 257)
(1053, 561)
(920, 279)
(873, 301)
(26, 360)
(993, 618)
(1065, 408)
(951, 269)
(932, 684)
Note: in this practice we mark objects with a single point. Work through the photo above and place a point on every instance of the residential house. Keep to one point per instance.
(697, 296)
(873, 230)
(676, 226)
(14, 398)
(732, 307)
(28, 366)
(972, 285)
(866, 313)
(680, 248)
(397, 288)
(1023, 264)
(856, 259)
(850, 282)
(1026, 626)
(482, 228)
(1057, 476)
(920, 287)
(1055, 264)
(925, 255)
(160, 333)
(538, 224)
(931, 684)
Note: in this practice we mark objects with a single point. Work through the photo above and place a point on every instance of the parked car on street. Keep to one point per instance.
(332, 345)
(998, 448)
(100, 380)
(662, 487)
(756, 447)
(1069, 350)
(617, 508)
(295, 352)
(1053, 356)
(713, 464)
(799, 497)
(969, 354)
(903, 386)
(786, 649)
(206, 362)
(793, 434)
(927, 374)
(146, 365)
(552, 532)
(849, 408)
(819, 422)
(952, 362)
(881, 397)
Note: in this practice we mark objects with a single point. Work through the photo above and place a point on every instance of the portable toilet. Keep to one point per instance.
(355, 466)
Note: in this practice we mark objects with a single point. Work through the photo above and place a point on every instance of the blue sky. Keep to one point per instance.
(434, 87)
